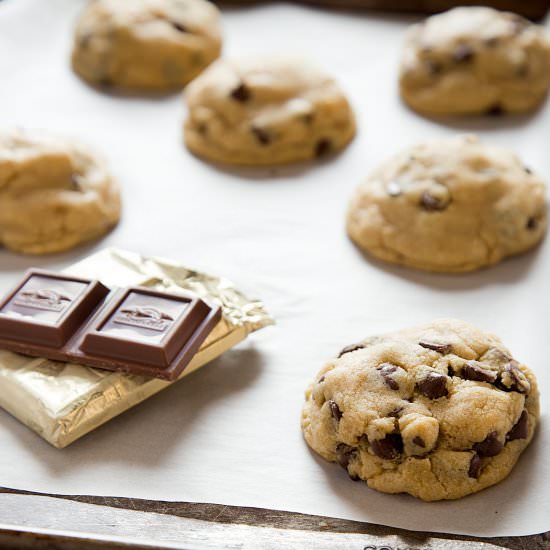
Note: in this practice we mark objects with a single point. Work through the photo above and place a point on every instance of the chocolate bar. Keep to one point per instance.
(533, 9)
(133, 330)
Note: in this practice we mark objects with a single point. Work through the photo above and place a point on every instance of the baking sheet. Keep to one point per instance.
(230, 432)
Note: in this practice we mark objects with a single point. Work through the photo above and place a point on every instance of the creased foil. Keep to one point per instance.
(62, 401)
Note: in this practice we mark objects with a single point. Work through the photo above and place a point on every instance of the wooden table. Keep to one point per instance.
(35, 520)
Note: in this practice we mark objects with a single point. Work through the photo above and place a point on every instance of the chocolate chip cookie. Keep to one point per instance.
(449, 205)
(145, 45)
(437, 411)
(54, 193)
(266, 111)
(475, 60)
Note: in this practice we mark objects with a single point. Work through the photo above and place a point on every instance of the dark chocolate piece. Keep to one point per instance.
(490, 446)
(134, 330)
(475, 467)
(440, 348)
(386, 370)
(431, 203)
(323, 147)
(241, 93)
(433, 385)
(179, 27)
(520, 430)
(344, 453)
(472, 370)
(335, 410)
(350, 348)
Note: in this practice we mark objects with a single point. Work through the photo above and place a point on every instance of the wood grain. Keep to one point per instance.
(533, 9)
(35, 520)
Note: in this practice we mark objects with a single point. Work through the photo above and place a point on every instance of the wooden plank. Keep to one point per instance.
(533, 9)
(36, 520)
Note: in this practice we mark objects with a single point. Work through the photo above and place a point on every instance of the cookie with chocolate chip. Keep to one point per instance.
(449, 205)
(54, 193)
(404, 412)
(266, 111)
(145, 45)
(475, 60)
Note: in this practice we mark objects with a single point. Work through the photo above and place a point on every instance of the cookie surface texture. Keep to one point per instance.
(438, 411)
(145, 45)
(266, 111)
(54, 193)
(449, 205)
(474, 60)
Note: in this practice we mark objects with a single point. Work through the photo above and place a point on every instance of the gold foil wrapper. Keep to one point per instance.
(62, 402)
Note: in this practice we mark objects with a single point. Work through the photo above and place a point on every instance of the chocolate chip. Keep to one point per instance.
(354, 477)
(450, 371)
(419, 442)
(440, 348)
(323, 147)
(321, 380)
(434, 385)
(433, 66)
(393, 189)
(105, 82)
(350, 348)
(528, 170)
(532, 223)
(495, 110)
(431, 203)
(240, 93)
(463, 53)
(75, 185)
(389, 448)
(261, 135)
(520, 429)
(490, 446)
(386, 370)
(473, 371)
(512, 379)
(344, 454)
(475, 467)
(335, 410)
(395, 413)
(179, 27)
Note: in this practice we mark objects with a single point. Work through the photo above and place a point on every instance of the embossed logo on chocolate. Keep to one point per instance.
(144, 317)
(44, 299)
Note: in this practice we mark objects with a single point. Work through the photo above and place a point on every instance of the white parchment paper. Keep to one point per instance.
(230, 433)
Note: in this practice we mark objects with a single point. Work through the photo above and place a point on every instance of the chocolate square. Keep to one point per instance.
(145, 326)
(47, 308)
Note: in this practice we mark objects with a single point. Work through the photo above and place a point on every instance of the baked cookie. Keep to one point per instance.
(266, 111)
(54, 194)
(475, 60)
(438, 411)
(145, 45)
(449, 205)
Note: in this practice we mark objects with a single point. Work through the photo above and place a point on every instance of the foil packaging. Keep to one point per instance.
(62, 402)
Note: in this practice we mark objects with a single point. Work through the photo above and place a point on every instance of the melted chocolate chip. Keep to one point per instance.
(389, 448)
(335, 410)
(473, 371)
(450, 371)
(395, 413)
(241, 93)
(515, 379)
(344, 453)
(440, 348)
(323, 147)
(463, 53)
(431, 203)
(475, 467)
(350, 348)
(386, 370)
(393, 189)
(495, 110)
(261, 135)
(419, 442)
(490, 446)
(434, 385)
(520, 429)
(433, 66)
(75, 186)
(532, 223)
(179, 27)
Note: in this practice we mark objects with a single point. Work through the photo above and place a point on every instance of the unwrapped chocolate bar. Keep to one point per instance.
(63, 401)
